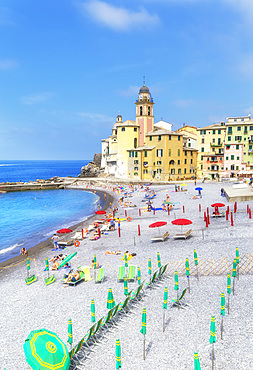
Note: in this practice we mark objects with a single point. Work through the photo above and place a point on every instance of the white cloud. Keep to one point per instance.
(7, 64)
(118, 18)
(36, 98)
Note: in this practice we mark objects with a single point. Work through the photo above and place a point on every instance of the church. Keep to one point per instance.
(145, 150)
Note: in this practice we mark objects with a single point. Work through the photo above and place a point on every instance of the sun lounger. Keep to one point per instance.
(220, 214)
(30, 280)
(183, 235)
(131, 272)
(161, 238)
(180, 300)
(152, 281)
(86, 271)
(50, 280)
(101, 275)
(123, 306)
(122, 273)
(73, 283)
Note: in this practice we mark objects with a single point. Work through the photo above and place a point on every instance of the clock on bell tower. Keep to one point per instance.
(144, 113)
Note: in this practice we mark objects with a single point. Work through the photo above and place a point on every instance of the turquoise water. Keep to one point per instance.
(30, 217)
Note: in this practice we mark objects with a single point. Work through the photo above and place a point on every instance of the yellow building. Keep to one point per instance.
(210, 142)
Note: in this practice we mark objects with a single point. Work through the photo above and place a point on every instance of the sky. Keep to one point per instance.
(69, 67)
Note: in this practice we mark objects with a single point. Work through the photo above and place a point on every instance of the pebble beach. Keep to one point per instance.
(187, 330)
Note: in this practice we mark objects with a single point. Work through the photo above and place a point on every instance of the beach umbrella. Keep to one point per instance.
(212, 339)
(196, 361)
(125, 286)
(100, 212)
(228, 288)
(196, 262)
(167, 202)
(158, 260)
(199, 188)
(93, 318)
(158, 224)
(70, 335)
(237, 261)
(234, 275)
(181, 222)
(149, 268)
(118, 354)
(176, 287)
(67, 259)
(165, 303)
(144, 329)
(64, 231)
(110, 299)
(139, 275)
(95, 266)
(28, 266)
(47, 266)
(222, 311)
(216, 206)
(183, 184)
(125, 258)
(45, 350)
(187, 272)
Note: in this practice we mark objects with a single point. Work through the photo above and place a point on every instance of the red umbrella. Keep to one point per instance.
(181, 221)
(64, 231)
(158, 224)
(100, 213)
(216, 205)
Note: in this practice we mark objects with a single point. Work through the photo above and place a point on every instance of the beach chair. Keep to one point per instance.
(183, 235)
(74, 283)
(115, 310)
(152, 281)
(50, 280)
(137, 295)
(30, 280)
(122, 273)
(131, 273)
(161, 238)
(107, 319)
(86, 271)
(97, 328)
(180, 300)
(123, 306)
(101, 275)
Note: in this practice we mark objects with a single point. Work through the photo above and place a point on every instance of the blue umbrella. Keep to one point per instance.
(198, 188)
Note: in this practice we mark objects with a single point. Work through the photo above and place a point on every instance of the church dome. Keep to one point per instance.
(144, 89)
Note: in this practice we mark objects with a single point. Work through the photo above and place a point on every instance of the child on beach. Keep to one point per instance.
(55, 240)
(23, 252)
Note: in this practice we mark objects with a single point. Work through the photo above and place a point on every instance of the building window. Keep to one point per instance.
(201, 158)
(251, 128)
(213, 150)
(201, 167)
(145, 153)
(238, 158)
(226, 158)
(238, 138)
(159, 152)
(123, 129)
(239, 128)
(227, 146)
(237, 146)
(135, 142)
(185, 170)
(135, 173)
(213, 141)
(200, 132)
(169, 152)
(219, 132)
(136, 168)
(179, 171)
(173, 171)
(232, 157)
(204, 132)
(232, 167)
(150, 138)
(159, 170)
(136, 154)
(145, 171)
(245, 129)
(229, 138)
(159, 138)
(202, 150)
(191, 161)
(178, 162)
(159, 162)
(235, 120)
(237, 168)
(189, 145)
(148, 111)
(208, 168)
(191, 153)
(178, 138)
(203, 141)
(169, 137)
(178, 152)
(185, 153)
(230, 129)
(213, 132)
(136, 161)
(185, 161)
(140, 111)
(135, 129)
(219, 142)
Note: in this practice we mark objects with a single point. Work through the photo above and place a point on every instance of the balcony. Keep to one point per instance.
(213, 160)
(251, 140)
(216, 145)
(250, 151)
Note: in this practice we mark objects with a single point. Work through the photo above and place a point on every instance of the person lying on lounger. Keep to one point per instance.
(73, 277)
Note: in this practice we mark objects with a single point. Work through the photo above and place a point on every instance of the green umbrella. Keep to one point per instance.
(158, 260)
(187, 272)
(70, 336)
(212, 330)
(228, 288)
(95, 261)
(196, 262)
(28, 266)
(234, 275)
(165, 303)
(176, 281)
(196, 361)
(139, 275)
(237, 261)
(110, 300)
(144, 329)
(222, 311)
(149, 269)
(67, 259)
(126, 264)
(93, 318)
(45, 350)
(47, 267)
(118, 354)
(125, 286)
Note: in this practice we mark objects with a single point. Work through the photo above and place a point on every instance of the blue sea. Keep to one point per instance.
(30, 217)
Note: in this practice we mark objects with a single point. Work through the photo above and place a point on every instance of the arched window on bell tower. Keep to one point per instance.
(135, 142)
(140, 111)
(149, 111)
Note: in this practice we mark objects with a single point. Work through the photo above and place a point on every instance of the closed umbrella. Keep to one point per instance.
(67, 259)
(196, 262)
(28, 266)
(125, 258)
(237, 261)
(196, 361)
(228, 288)
(93, 318)
(159, 259)
(47, 266)
(125, 286)
(45, 347)
(176, 287)
(139, 275)
(149, 268)
(234, 275)
(118, 354)
(165, 304)
(70, 335)
(212, 339)
(144, 329)
(110, 299)
(222, 311)
(187, 272)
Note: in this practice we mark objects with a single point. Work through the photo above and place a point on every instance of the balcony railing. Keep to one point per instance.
(217, 145)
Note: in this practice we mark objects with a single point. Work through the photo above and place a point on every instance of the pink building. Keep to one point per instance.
(233, 159)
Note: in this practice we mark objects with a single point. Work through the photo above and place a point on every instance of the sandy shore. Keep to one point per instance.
(26, 308)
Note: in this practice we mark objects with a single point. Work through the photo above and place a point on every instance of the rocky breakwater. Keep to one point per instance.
(93, 168)
(54, 183)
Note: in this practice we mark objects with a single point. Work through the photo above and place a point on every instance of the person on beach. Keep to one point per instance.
(55, 240)
(112, 225)
(73, 277)
(23, 252)
(92, 264)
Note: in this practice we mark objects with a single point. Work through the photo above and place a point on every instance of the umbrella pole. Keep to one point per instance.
(238, 271)
(189, 284)
(177, 300)
(163, 320)
(94, 274)
(228, 304)
(144, 348)
(221, 327)
(234, 286)
(198, 273)
(213, 357)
